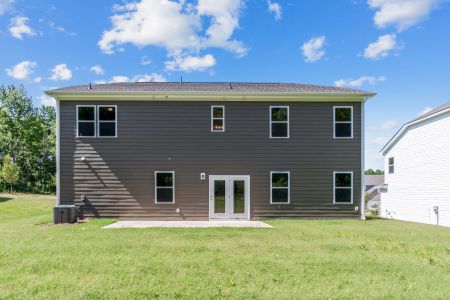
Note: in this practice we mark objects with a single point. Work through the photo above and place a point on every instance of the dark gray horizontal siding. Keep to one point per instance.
(118, 174)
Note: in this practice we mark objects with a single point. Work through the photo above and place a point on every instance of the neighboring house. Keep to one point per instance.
(417, 170)
(210, 150)
(372, 183)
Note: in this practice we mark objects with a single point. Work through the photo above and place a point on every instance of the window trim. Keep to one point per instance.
(279, 122)
(342, 122)
(98, 121)
(213, 118)
(173, 187)
(391, 165)
(288, 187)
(334, 187)
(95, 122)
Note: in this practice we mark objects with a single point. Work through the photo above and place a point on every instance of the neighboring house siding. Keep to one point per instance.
(421, 179)
(118, 174)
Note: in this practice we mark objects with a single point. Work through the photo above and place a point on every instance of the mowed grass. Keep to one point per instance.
(296, 259)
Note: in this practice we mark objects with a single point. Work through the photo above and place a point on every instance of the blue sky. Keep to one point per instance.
(399, 49)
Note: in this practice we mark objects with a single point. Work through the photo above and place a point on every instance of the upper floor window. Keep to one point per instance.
(86, 121)
(343, 122)
(279, 122)
(96, 121)
(343, 187)
(280, 187)
(217, 118)
(164, 187)
(391, 165)
(107, 121)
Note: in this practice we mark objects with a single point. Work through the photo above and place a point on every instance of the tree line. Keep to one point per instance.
(27, 143)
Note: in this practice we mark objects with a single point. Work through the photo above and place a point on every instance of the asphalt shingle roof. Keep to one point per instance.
(209, 87)
(433, 111)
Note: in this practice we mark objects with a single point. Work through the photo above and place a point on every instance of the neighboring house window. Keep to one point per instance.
(86, 120)
(279, 121)
(165, 187)
(107, 120)
(391, 165)
(343, 122)
(217, 118)
(343, 187)
(280, 187)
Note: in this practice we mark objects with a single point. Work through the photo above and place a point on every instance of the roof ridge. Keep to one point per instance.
(211, 87)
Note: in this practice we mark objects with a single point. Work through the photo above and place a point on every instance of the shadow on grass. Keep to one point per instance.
(376, 218)
(4, 199)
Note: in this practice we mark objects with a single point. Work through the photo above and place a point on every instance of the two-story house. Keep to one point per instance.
(173, 151)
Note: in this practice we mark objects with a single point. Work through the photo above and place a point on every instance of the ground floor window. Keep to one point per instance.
(343, 187)
(164, 187)
(279, 187)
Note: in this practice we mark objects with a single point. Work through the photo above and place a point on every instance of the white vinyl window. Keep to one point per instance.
(86, 121)
(165, 187)
(107, 121)
(343, 187)
(280, 186)
(217, 118)
(279, 121)
(391, 165)
(343, 122)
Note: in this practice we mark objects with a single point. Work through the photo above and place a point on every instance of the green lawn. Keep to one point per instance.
(296, 259)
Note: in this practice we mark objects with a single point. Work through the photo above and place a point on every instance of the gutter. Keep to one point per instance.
(206, 96)
(363, 158)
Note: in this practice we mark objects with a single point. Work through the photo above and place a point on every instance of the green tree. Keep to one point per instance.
(372, 172)
(28, 135)
(9, 172)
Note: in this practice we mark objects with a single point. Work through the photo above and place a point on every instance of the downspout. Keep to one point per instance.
(363, 148)
(58, 173)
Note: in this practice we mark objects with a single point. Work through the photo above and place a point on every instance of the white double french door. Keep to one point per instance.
(229, 197)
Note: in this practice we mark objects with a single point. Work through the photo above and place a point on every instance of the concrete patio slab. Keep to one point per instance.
(187, 224)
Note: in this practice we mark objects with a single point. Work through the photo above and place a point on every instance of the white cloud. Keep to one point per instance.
(145, 61)
(425, 111)
(191, 63)
(371, 80)
(175, 26)
(22, 70)
(5, 6)
(120, 78)
(37, 79)
(47, 100)
(153, 77)
(313, 49)
(59, 28)
(97, 69)
(382, 47)
(224, 16)
(61, 72)
(389, 124)
(275, 8)
(19, 28)
(381, 140)
(401, 13)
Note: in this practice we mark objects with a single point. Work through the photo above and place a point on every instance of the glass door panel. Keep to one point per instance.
(219, 196)
(238, 196)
